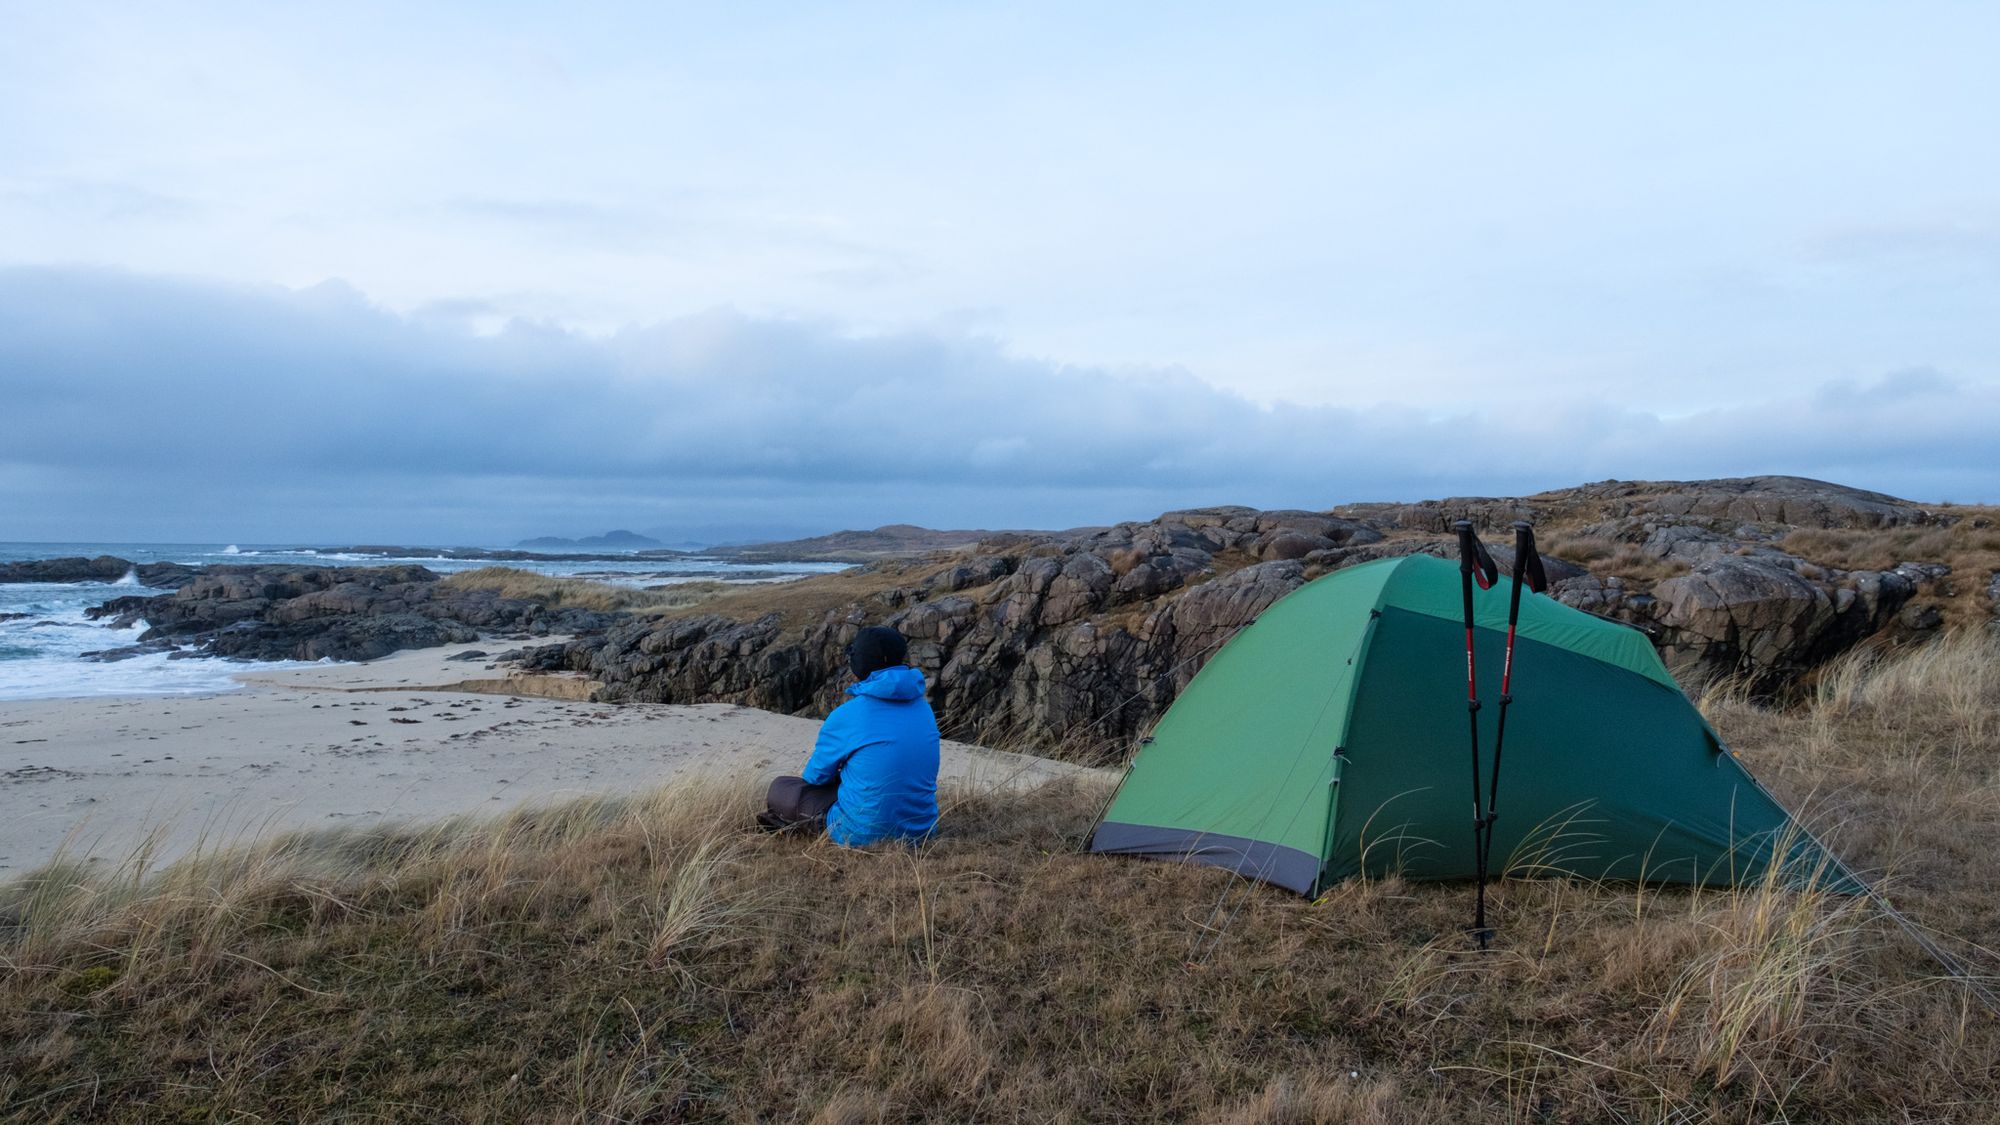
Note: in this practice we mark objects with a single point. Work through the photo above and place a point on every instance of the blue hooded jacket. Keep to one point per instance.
(882, 746)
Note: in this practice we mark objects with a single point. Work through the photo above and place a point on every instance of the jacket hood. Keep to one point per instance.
(900, 684)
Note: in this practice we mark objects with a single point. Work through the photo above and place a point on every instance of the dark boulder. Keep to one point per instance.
(345, 638)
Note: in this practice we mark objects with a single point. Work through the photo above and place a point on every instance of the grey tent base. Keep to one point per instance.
(1287, 867)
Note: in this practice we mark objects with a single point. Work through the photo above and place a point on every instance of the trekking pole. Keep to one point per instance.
(1527, 563)
(1475, 564)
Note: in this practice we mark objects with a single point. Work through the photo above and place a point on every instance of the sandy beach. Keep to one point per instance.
(354, 744)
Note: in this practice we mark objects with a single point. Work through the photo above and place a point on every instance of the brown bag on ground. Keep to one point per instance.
(792, 802)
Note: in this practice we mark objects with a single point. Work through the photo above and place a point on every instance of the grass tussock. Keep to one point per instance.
(579, 593)
(648, 958)
(1970, 546)
(1610, 558)
(806, 601)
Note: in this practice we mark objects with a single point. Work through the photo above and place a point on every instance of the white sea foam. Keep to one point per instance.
(52, 677)
(42, 652)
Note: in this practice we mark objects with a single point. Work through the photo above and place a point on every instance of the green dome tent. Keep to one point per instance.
(1329, 738)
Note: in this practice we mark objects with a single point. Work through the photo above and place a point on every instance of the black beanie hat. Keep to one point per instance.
(875, 648)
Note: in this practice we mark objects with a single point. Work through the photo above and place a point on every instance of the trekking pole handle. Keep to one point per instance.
(1528, 559)
(1472, 556)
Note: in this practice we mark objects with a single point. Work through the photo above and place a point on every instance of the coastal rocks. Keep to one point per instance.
(979, 572)
(1591, 593)
(344, 638)
(1283, 534)
(1766, 617)
(1554, 569)
(1212, 612)
(1742, 610)
(103, 568)
(127, 652)
(1792, 501)
(1687, 544)
(1437, 516)
(326, 613)
(1737, 507)
(1028, 657)
(710, 656)
(1077, 642)
(1076, 590)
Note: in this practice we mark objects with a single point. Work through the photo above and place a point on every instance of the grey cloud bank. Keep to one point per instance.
(143, 407)
(1304, 202)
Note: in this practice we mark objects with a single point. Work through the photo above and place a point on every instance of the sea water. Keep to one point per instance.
(44, 635)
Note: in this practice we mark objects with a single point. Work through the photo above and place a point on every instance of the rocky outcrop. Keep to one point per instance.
(103, 568)
(1764, 614)
(1745, 606)
(1771, 501)
(1035, 653)
(1080, 641)
(315, 613)
(1036, 637)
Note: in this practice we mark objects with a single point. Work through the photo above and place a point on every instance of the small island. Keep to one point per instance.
(619, 539)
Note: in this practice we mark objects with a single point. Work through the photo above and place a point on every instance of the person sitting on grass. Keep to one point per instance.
(873, 771)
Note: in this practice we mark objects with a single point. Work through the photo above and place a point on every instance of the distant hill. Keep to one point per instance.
(619, 539)
(894, 541)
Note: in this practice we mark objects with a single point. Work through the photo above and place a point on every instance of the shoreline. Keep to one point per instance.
(391, 740)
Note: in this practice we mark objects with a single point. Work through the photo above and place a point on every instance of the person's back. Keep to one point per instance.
(881, 747)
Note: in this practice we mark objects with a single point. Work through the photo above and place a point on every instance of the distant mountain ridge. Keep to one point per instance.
(609, 539)
(896, 540)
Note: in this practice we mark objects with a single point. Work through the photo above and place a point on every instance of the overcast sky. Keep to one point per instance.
(475, 272)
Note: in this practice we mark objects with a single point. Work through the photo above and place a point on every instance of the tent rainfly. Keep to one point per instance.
(1328, 739)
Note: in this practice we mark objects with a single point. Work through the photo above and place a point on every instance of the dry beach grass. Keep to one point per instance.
(646, 958)
(1970, 546)
(1628, 561)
